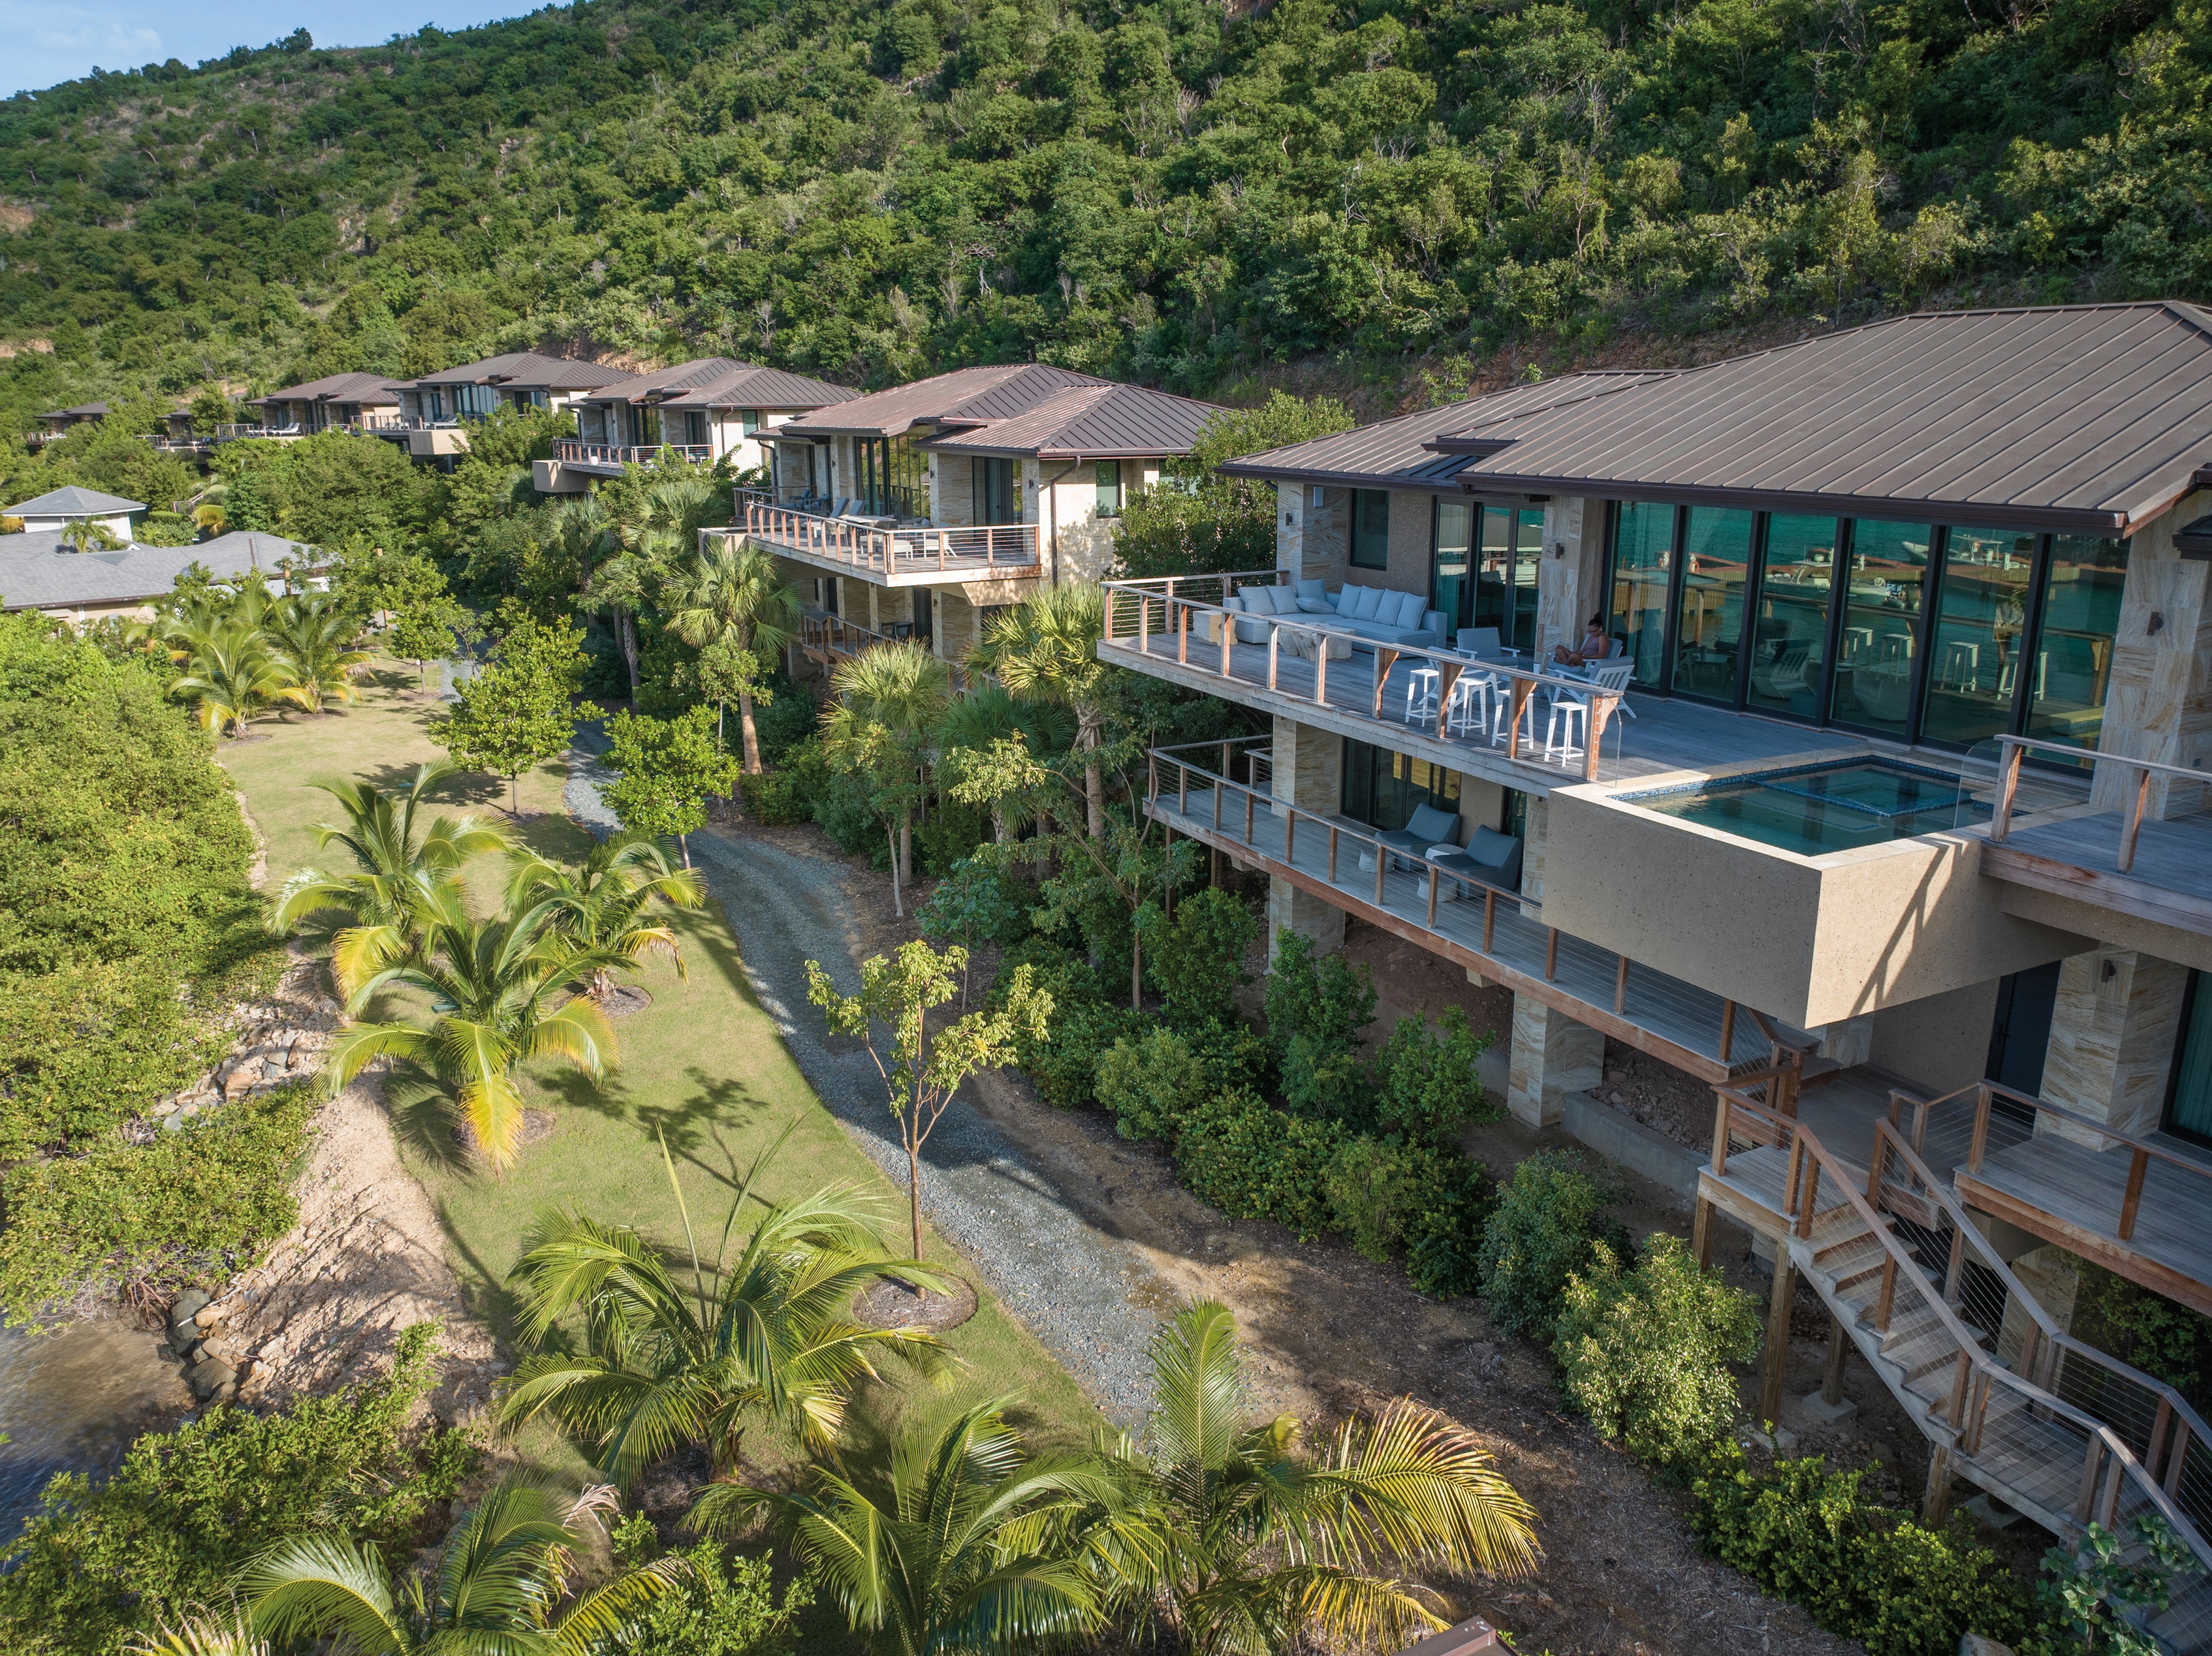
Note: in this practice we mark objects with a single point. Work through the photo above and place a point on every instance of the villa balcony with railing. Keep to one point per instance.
(830, 640)
(608, 459)
(886, 551)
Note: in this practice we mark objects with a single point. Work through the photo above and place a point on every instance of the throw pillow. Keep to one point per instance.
(1408, 611)
(1310, 589)
(1362, 604)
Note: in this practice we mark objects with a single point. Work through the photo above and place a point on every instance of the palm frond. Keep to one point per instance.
(319, 1584)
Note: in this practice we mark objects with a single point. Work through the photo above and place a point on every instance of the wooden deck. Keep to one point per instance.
(1664, 1015)
(1659, 734)
(2078, 856)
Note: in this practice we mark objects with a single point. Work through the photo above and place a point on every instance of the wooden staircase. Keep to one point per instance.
(2059, 1431)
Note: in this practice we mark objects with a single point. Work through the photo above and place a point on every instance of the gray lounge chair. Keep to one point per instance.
(1428, 826)
(1491, 859)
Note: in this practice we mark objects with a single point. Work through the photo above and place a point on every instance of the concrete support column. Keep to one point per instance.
(1571, 577)
(1552, 1055)
(2113, 1033)
(1309, 772)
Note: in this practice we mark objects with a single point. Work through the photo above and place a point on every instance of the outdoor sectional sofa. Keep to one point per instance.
(1364, 616)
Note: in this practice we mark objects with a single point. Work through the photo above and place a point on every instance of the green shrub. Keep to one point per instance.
(1861, 1570)
(1644, 1353)
(847, 815)
(1316, 1010)
(191, 1206)
(772, 799)
(786, 721)
(726, 1606)
(187, 1508)
(1234, 1053)
(1150, 1082)
(948, 835)
(1254, 1163)
(1196, 960)
(1547, 1221)
(1428, 1199)
(1057, 968)
(1064, 1068)
(1426, 1086)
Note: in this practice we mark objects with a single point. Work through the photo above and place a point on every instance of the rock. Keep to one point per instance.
(296, 1054)
(207, 1316)
(208, 1374)
(1973, 1644)
(187, 1305)
(237, 1082)
(174, 1123)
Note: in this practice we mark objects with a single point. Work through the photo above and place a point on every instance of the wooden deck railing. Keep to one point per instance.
(2142, 773)
(2112, 1484)
(1176, 607)
(861, 544)
(631, 454)
(832, 639)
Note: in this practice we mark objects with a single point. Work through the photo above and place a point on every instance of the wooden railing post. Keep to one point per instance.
(1728, 1032)
(2138, 1164)
(1981, 1138)
(1721, 1122)
(2134, 825)
(1489, 916)
(2008, 786)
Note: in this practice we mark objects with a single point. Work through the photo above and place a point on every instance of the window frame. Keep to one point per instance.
(1352, 541)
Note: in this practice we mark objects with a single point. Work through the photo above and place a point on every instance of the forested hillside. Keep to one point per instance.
(1161, 191)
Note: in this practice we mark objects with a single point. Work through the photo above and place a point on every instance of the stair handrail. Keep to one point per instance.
(2159, 1459)
(1978, 1371)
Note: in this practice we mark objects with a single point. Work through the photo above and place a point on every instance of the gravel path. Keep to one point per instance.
(1069, 1283)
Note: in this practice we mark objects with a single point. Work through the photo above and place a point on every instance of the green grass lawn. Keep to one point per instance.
(702, 1068)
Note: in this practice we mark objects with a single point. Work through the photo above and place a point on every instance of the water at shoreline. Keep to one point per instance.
(73, 1401)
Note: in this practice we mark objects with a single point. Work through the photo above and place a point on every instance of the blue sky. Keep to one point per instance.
(43, 43)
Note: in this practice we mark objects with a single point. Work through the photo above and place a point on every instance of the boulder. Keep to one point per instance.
(187, 1305)
(208, 1316)
(239, 1080)
(209, 1375)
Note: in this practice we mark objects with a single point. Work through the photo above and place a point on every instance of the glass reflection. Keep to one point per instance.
(1449, 588)
(1790, 628)
(1980, 613)
(1709, 622)
(2073, 655)
(1643, 559)
(1882, 605)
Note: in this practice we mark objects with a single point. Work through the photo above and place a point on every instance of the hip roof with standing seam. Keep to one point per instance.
(1088, 422)
(723, 382)
(965, 397)
(528, 368)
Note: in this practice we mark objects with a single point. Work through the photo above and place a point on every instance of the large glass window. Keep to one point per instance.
(2073, 656)
(1528, 562)
(1449, 586)
(1709, 621)
(1790, 623)
(1381, 788)
(2189, 1096)
(1981, 611)
(995, 492)
(1371, 528)
(1493, 572)
(1642, 564)
(1879, 654)
(1108, 477)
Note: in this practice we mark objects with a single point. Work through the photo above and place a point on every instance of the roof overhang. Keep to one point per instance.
(1397, 483)
(2194, 540)
(2076, 521)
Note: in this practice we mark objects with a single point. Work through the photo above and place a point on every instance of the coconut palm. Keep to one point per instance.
(664, 1364)
(498, 1590)
(404, 869)
(1046, 649)
(730, 594)
(492, 986)
(1248, 1546)
(888, 702)
(203, 1635)
(957, 1540)
(231, 676)
(314, 638)
(84, 535)
(607, 904)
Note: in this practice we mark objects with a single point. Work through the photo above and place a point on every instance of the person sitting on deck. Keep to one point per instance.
(1594, 647)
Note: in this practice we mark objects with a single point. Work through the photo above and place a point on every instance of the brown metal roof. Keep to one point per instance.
(964, 397)
(527, 368)
(761, 388)
(370, 388)
(2090, 418)
(1090, 421)
(1402, 452)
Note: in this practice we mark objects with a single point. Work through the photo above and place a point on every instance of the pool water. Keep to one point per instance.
(1812, 809)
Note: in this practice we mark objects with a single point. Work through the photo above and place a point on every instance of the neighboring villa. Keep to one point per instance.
(432, 407)
(701, 412)
(338, 402)
(1885, 813)
(912, 512)
(58, 421)
(38, 570)
(60, 509)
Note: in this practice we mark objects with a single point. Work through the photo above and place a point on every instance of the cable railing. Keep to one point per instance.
(915, 554)
(1187, 615)
(2026, 782)
(578, 453)
(2018, 1433)
(832, 639)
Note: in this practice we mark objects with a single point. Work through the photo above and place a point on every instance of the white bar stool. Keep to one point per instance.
(1576, 714)
(1421, 693)
(1469, 692)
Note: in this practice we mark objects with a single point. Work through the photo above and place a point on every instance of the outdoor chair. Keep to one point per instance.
(1491, 859)
(1428, 826)
(1481, 642)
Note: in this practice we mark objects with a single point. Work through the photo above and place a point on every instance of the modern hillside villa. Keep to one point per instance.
(699, 412)
(912, 513)
(1879, 803)
(432, 407)
(337, 402)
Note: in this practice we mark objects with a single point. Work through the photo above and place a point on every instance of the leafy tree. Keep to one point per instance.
(1204, 523)
(165, 528)
(665, 770)
(431, 628)
(403, 875)
(953, 1540)
(520, 709)
(1245, 1543)
(665, 1363)
(970, 900)
(492, 986)
(730, 597)
(921, 1071)
(505, 1569)
(610, 905)
(2088, 1589)
(723, 1605)
(888, 701)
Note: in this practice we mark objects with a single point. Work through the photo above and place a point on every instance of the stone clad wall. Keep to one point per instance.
(2158, 702)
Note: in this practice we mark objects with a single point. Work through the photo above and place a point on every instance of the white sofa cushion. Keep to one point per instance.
(1363, 600)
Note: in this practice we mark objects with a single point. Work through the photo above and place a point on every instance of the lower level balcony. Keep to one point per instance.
(608, 459)
(886, 553)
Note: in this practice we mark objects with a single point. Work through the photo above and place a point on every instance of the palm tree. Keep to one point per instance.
(83, 535)
(731, 594)
(956, 1541)
(503, 1577)
(989, 715)
(400, 881)
(889, 700)
(664, 1364)
(491, 985)
(204, 1635)
(230, 676)
(1248, 1545)
(606, 903)
(314, 637)
(1046, 649)
(646, 521)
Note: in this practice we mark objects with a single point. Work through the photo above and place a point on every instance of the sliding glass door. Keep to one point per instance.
(1884, 598)
(1791, 620)
(1642, 569)
(1450, 585)
(1709, 605)
(1981, 611)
